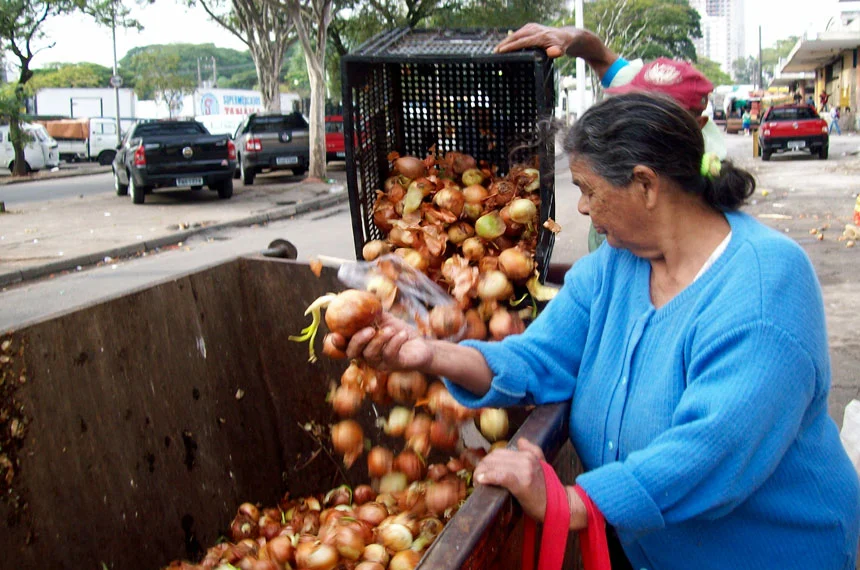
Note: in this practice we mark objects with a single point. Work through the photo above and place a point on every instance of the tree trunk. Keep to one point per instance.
(18, 136)
(267, 60)
(316, 76)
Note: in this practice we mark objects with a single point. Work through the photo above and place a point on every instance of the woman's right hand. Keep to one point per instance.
(392, 345)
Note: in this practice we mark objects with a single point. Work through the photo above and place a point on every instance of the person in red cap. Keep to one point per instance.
(677, 79)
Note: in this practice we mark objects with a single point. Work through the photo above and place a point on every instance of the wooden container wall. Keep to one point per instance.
(150, 417)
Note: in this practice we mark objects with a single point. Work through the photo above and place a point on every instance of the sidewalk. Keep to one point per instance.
(43, 238)
(65, 170)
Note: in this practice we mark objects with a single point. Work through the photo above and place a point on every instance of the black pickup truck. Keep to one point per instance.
(169, 154)
(272, 142)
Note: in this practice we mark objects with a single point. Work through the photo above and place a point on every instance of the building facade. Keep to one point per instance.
(723, 31)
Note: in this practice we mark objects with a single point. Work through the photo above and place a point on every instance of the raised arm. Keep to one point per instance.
(570, 41)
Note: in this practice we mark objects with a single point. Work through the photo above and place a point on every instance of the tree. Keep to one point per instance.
(745, 70)
(159, 78)
(711, 69)
(510, 14)
(311, 19)
(640, 28)
(267, 31)
(21, 31)
(71, 75)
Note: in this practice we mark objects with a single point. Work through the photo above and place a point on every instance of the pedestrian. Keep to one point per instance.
(693, 350)
(823, 99)
(677, 79)
(745, 121)
(834, 120)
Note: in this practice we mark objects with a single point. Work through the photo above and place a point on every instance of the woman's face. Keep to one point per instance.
(618, 212)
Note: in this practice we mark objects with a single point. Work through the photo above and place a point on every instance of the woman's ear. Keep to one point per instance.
(647, 183)
(702, 120)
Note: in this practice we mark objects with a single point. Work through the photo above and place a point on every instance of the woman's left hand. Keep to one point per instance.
(520, 472)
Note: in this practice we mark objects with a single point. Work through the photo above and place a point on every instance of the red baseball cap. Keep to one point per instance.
(677, 79)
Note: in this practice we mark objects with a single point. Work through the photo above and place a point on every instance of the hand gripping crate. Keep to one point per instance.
(408, 90)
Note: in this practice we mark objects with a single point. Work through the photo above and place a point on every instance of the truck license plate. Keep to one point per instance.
(796, 145)
(287, 160)
(189, 181)
(341, 154)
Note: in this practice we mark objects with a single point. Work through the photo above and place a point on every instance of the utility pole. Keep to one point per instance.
(214, 73)
(199, 77)
(116, 80)
(579, 21)
(760, 74)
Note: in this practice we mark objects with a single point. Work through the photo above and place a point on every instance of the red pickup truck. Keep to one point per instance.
(793, 127)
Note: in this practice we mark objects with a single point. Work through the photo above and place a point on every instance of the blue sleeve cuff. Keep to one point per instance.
(613, 70)
(623, 501)
(502, 393)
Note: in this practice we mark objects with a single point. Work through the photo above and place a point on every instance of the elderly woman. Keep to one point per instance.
(693, 348)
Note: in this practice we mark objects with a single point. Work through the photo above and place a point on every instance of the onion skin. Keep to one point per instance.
(490, 226)
(472, 176)
(494, 424)
(331, 350)
(523, 211)
(473, 248)
(446, 321)
(516, 264)
(347, 438)
(351, 311)
(346, 401)
(404, 560)
(410, 167)
(363, 494)
(384, 215)
(372, 513)
(374, 248)
(441, 496)
(379, 461)
(451, 200)
(410, 465)
(495, 286)
(504, 324)
(476, 329)
(406, 387)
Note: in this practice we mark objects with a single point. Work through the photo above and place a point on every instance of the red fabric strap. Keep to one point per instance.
(553, 539)
(592, 539)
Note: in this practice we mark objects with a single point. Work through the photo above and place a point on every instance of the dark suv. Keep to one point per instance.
(272, 142)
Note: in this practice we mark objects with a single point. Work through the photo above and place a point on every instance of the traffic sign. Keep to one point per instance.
(115, 81)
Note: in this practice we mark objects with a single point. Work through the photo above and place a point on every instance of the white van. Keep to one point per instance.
(39, 153)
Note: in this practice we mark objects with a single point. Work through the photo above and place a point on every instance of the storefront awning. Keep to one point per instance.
(812, 52)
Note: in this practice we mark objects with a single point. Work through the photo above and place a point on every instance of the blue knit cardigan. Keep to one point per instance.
(703, 424)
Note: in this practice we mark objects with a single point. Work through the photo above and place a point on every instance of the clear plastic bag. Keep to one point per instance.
(404, 291)
(850, 433)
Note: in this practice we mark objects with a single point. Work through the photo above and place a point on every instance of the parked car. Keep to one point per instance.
(335, 148)
(40, 152)
(272, 142)
(793, 127)
(169, 154)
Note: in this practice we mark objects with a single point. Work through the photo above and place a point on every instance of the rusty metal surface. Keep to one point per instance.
(481, 529)
(150, 417)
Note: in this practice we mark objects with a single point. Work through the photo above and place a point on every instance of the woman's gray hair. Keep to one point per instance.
(652, 130)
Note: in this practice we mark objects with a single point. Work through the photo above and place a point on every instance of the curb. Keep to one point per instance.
(7, 181)
(29, 273)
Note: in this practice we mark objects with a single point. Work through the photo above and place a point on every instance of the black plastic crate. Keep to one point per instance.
(407, 90)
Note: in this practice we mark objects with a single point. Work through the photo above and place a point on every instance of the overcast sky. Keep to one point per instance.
(79, 39)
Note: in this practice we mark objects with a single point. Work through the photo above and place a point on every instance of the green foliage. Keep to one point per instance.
(295, 78)
(510, 14)
(228, 62)
(712, 70)
(159, 77)
(71, 75)
(645, 29)
(745, 70)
